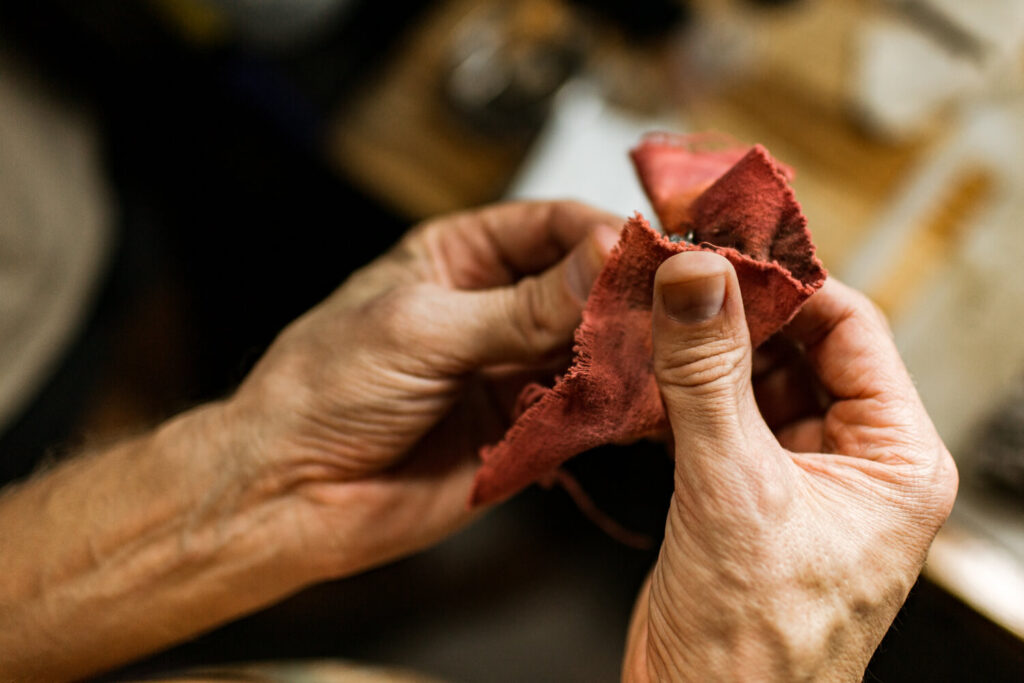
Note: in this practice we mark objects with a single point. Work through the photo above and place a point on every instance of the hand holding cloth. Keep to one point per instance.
(734, 201)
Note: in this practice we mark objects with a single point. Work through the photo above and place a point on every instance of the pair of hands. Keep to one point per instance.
(808, 488)
(809, 480)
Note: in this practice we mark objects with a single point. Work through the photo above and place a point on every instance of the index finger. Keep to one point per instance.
(849, 345)
(499, 244)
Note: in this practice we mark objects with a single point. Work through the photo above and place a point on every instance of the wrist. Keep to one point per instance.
(249, 490)
(225, 516)
(126, 550)
(328, 525)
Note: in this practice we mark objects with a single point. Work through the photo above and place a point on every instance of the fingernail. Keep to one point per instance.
(587, 259)
(696, 300)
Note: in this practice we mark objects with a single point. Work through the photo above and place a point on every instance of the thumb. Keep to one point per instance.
(526, 322)
(702, 362)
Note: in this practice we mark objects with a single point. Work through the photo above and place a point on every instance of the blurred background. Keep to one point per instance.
(181, 178)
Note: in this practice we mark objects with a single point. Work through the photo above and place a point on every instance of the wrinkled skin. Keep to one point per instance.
(351, 443)
(806, 495)
(793, 535)
(449, 324)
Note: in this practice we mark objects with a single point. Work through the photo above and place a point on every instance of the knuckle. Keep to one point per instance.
(947, 482)
(864, 307)
(880, 315)
(533, 317)
(927, 491)
(704, 365)
(391, 316)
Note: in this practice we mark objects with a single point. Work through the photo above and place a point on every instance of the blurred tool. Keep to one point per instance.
(507, 61)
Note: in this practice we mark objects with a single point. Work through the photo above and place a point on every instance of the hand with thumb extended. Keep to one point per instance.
(798, 524)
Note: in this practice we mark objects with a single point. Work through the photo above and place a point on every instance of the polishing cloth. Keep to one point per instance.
(675, 169)
(737, 203)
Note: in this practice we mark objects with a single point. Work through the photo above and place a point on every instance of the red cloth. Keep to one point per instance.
(609, 394)
(676, 169)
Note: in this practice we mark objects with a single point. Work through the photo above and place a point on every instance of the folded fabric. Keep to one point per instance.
(735, 202)
(675, 169)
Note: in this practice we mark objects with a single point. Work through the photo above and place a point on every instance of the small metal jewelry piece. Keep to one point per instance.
(677, 238)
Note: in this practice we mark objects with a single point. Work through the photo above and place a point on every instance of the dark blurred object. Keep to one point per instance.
(229, 212)
(1000, 448)
(641, 19)
(271, 26)
(937, 638)
(508, 61)
(124, 51)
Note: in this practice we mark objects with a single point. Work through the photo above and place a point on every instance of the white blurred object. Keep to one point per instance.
(904, 76)
(996, 25)
(583, 153)
(54, 232)
(912, 65)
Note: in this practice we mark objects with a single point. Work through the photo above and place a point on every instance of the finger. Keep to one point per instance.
(529, 321)
(702, 361)
(499, 244)
(876, 413)
(849, 345)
